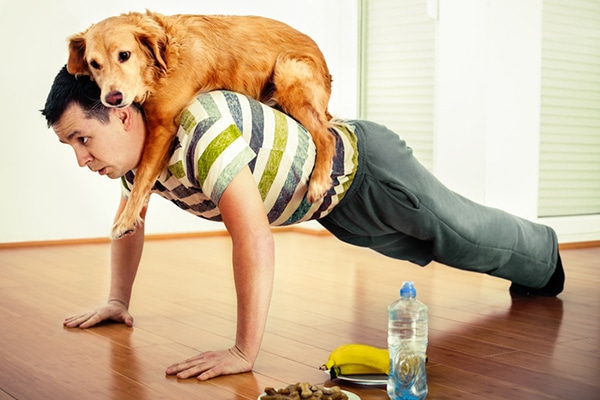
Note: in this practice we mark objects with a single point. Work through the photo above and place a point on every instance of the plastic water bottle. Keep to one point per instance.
(407, 345)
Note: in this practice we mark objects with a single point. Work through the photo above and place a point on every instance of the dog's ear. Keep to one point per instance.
(77, 65)
(153, 41)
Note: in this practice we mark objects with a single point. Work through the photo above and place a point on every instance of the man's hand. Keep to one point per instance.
(125, 259)
(211, 364)
(114, 310)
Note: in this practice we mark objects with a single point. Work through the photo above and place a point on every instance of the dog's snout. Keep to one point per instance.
(114, 98)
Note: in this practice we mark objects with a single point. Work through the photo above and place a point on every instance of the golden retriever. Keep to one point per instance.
(165, 61)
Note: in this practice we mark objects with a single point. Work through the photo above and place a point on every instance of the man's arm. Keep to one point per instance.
(125, 258)
(253, 267)
(253, 261)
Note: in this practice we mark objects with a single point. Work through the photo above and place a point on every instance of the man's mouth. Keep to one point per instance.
(101, 171)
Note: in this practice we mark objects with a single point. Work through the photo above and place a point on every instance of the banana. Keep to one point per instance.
(357, 359)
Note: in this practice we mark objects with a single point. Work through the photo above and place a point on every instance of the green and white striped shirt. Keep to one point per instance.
(221, 132)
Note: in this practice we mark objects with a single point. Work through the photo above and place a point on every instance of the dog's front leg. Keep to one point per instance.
(158, 142)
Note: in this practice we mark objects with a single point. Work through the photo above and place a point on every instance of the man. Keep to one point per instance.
(238, 161)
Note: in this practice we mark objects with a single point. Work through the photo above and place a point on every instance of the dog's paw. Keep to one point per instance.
(316, 191)
(117, 234)
(121, 229)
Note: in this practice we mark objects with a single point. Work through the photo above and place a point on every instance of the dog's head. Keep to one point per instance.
(123, 54)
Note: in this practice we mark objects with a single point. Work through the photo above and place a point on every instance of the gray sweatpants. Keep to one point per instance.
(398, 208)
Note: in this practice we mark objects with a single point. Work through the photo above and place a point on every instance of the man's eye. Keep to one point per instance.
(124, 56)
(84, 140)
(95, 64)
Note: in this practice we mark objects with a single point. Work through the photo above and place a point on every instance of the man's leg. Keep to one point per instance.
(396, 194)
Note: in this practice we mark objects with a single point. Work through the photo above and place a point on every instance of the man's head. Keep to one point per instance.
(106, 140)
(67, 90)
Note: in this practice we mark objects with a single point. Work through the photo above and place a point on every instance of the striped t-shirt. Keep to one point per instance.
(221, 132)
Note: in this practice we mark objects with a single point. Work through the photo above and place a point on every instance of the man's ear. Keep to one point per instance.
(77, 65)
(125, 115)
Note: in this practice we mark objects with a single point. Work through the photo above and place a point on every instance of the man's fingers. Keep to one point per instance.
(75, 321)
(209, 374)
(91, 320)
(188, 368)
(128, 320)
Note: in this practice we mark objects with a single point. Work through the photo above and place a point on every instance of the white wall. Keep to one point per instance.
(45, 195)
(488, 108)
(487, 127)
(488, 101)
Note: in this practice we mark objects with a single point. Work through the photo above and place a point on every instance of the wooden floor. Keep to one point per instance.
(483, 344)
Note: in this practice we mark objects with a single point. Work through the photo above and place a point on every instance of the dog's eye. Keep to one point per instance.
(124, 56)
(95, 64)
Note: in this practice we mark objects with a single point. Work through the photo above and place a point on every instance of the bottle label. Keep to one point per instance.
(408, 377)
(406, 366)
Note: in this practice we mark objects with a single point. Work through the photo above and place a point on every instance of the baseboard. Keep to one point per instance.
(579, 245)
(195, 235)
(160, 236)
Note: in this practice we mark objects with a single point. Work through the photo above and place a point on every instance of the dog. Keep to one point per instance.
(164, 61)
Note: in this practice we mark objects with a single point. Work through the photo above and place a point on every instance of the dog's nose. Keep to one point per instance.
(114, 98)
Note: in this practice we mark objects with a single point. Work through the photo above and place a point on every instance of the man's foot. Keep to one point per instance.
(554, 286)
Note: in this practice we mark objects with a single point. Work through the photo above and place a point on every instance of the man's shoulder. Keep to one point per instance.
(210, 106)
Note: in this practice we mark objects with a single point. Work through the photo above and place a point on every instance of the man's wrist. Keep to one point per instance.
(115, 300)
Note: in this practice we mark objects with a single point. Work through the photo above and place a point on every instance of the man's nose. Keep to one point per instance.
(83, 157)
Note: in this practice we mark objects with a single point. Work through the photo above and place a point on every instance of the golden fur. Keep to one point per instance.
(165, 61)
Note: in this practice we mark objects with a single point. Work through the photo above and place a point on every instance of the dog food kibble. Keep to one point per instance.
(304, 391)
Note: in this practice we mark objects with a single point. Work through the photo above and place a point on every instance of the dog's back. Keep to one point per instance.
(237, 53)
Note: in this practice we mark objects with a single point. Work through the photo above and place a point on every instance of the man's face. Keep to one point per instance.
(110, 149)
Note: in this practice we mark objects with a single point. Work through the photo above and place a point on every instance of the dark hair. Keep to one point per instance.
(69, 89)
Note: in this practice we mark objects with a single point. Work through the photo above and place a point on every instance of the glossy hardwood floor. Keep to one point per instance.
(483, 344)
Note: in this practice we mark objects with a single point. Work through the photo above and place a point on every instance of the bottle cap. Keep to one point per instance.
(408, 290)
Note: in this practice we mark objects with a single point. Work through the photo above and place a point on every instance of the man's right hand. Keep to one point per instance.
(114, 310)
